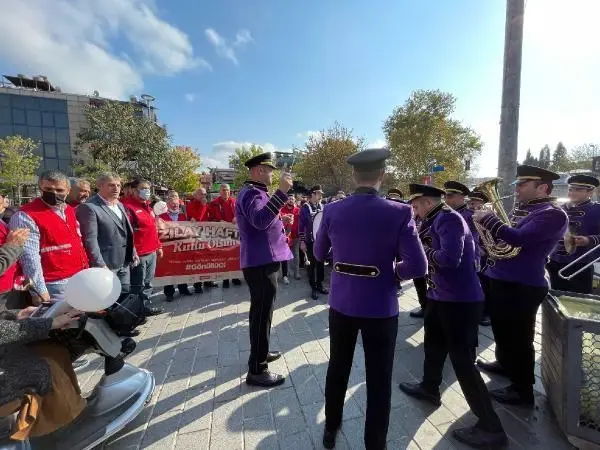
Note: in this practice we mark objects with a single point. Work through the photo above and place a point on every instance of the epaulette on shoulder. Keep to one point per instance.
(446, 208)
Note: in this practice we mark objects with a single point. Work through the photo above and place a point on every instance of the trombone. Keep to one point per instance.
(561, 272)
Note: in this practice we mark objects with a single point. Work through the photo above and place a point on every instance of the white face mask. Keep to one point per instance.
(145, 194)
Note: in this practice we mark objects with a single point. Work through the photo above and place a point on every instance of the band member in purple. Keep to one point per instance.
(316, 269)
(476, 201)
(452, 315)
(363, 290)
(395, 195)
(455, 195)
(584, 228)
(518, 284)
(263, 247)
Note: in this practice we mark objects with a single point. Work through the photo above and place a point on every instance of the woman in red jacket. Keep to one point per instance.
(175, 214)
(290, 215)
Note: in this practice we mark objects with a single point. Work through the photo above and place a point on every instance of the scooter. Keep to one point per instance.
(119, 397)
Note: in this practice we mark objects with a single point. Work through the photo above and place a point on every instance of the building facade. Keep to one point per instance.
(34, 108)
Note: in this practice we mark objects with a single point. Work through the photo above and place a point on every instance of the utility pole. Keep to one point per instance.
(511, 93)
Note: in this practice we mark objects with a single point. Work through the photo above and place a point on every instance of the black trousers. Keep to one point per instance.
(451, 328)
(420, 285)
(284, 268)
(582, 283)
(485, 285)
(262, 282)
(379, 342)
(169, 289)
(513, 310)
(316, 269)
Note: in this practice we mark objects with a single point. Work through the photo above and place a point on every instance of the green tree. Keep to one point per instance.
(242, 173)
(422, 132)
(183, 162)
(18, 163)
(324, 159)
(123, 140)
(561, 162)
(530, 160)
(581, 156)
(90, 171)
(545, 158)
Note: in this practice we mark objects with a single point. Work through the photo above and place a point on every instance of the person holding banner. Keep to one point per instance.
(263, 247)
(223, 210)
(174, 214)
(363, 290)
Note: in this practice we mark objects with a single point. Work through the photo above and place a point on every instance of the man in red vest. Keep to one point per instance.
(223, 210)
(198, 209)
(54, 251)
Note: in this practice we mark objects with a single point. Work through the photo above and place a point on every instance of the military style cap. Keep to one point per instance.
(423, 190)
(478, 195)
(583, 181)
(368, 160)
(533, 173)
(454, 187)
(316, 188)
(264, 159)
(395, 191)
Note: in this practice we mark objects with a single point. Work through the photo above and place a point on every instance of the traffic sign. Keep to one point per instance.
(437, 169)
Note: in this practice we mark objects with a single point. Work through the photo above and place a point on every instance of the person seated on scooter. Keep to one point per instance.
(37, 379)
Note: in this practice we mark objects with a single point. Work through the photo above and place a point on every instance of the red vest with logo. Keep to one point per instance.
(61, 249)
(7, 279)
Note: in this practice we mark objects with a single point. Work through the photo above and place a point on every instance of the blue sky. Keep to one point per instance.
(230, 72)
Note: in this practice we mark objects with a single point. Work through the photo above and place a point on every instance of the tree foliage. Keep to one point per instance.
(530, 160)
(125, 141)
(545, 159)
(422, 132)
(561, 162)
(182, 164)
(18, 162)
(324, 159)
(242, 173)
(581, 156)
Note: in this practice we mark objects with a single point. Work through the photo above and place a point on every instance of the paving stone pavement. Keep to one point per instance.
(198, 352)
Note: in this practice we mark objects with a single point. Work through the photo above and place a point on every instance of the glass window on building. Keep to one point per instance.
(64, 151)
(18, 116)
(5, 130)
(4, 100)
(51, 164)
(5, 117)
(47, 119)
(62, 136)
(50, 151)
(18, 101)
(32, 103)
(34, 119)
(65, 165)
(35, 133)
(61, 120)
(38, 151)
(49, 135)
(20, 130)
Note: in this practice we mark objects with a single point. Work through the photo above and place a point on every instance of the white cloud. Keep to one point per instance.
(379, 143)
(73, 45)
(190, 97)
(306, 134)
(225, 49)
(221, 151)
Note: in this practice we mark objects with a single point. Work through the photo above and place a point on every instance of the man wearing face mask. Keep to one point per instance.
(53, 252)
(145, 237)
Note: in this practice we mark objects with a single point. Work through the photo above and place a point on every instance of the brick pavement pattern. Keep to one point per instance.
(198, 353)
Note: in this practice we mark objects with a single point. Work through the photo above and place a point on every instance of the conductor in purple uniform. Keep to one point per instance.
(263, 247)
(518, 285)
(363, 294)
(452, 313)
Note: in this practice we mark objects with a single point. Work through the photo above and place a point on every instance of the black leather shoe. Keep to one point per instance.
(273, 356)
(153, 311)
(198, 289)
(322, 290)
(478, 438)
(314, 294)
(144, 321)
(264, 379)
(485, 322)
(236, 282)
(185, 292)
(132, 333)
(510, 396)
(417, 390)
(418, 314)
(225, 284)
(491, 367)
(329, 438)
(169, 298)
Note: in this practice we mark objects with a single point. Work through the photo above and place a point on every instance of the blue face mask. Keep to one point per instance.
(145, 194)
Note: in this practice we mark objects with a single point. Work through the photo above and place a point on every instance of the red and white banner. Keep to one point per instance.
(197, 251)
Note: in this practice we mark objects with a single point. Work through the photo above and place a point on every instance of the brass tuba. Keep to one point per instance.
(495, 249)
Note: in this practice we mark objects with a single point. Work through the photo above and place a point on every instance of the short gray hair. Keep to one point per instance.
(105, 176)
(76, 181)
(54, 175)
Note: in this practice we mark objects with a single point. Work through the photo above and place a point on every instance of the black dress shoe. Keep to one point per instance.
(322, 290)
(477, 438)
(225, 284)
(329, 438)
(264, 379)
(185, 292)
(153, 311)
(144, 321)
(273, 356)
(314, 294)
(485, 322)
(417, 390)
(169, 298)
(236, 282)
(491, 367)
(132, 333)
(419, 314)
(510, 396)
(198, 289)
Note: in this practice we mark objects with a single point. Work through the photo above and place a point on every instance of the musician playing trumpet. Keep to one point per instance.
(517, 278)
(583, 234)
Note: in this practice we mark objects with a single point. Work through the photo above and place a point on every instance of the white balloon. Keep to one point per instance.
(92, 289)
